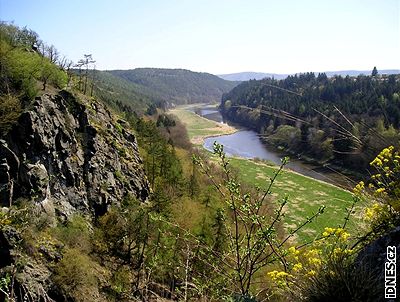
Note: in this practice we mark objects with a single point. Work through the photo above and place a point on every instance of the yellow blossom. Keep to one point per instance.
(348, 251)
(328, 232)
(344, 236)
(376, 162)
(272, 274)
(315, 261)
(292, 250)
(311, 273)
(282, 275)
(359, 188)
(337, 251)
(313, 253)
(277, 276)
(297, 267)
(372, 212)
(369, 214)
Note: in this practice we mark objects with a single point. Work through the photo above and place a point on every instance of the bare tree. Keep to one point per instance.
(52, 54)
(85, 62)
(88, 60)
(67, 68)
(79, 65)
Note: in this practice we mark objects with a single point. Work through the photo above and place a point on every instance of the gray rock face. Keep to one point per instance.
(372, 258)
(70, 155)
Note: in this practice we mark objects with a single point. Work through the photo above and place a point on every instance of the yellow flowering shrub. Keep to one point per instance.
(297, 267)
(338, 232)
(335, 249)
(387, 181)
(383, 190)
(280, 278)
(305, 263)
(328, 261)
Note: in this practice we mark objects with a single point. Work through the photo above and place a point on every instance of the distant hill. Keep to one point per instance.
(179, 86)
(245, 76)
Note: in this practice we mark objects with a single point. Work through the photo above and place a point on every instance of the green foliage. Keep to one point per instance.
(343, 281)
(76, 275)
(10, 110)
(286, 136)
(321, 145)
(120, 281)
(75, 234)
(22, 69)
(161, 163)
(124, 232)
(118, 93)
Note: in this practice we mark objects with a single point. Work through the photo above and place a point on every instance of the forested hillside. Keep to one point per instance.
(340, 119)
(177, 86)
(120, 93)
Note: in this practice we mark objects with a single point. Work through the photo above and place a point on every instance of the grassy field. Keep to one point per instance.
(198, 127)
(305, 194)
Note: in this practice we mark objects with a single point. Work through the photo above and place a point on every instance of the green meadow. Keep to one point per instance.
(305, 195)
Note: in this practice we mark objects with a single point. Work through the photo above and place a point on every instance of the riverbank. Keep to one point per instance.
(198, 127)
(305, 194)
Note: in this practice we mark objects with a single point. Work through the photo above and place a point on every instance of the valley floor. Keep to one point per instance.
(305, 194)
(198, 127)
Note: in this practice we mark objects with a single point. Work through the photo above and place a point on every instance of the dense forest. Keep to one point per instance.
(345, 120)
(246, 76)
(103, 201)
(177, 86)
(117, 92)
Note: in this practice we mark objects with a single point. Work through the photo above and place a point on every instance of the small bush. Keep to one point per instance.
(76, 275)
(75, 234)
(10, 110)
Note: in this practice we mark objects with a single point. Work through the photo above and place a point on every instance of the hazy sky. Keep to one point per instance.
(219, 36)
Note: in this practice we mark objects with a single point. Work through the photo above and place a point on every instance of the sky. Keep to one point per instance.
(218, 36)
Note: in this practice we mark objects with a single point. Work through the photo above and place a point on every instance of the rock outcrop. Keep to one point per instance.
(372, 258)
(69, 155)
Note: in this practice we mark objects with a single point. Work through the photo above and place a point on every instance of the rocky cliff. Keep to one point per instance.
(68, 154)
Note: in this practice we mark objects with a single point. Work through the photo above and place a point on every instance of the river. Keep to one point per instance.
(247, 144)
